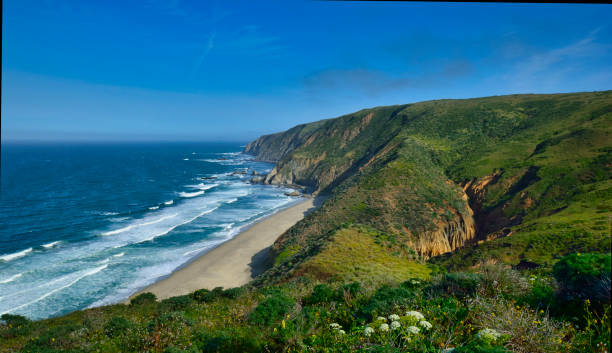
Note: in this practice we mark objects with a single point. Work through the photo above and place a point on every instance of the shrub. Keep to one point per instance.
(500, 279)
(384, 300)
(207, 296)
(321, 293)
(227, 342)
(233, 293)
(177, 303)
(16, 325)
(584, 276)
(116, 326)
(271, 309)
(527, 330)
(144, 298)
(459, 284)
(174, 349)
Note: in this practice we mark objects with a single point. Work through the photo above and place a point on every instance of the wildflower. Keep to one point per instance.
(488, 335)
(368, 331)
(335, 326)
(415, 314)
(395, 325)
(394, 317)
(341, 332)
(425, 324)
(384, 327)
(413, 329)
(283, 324)
(381, 318)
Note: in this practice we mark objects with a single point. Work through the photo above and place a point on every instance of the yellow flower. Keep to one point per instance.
(283, 324)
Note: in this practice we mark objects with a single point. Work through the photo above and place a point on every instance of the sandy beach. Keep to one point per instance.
(235, 262)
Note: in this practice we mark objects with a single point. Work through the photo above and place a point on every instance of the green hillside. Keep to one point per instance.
(536, 170)
(477, 225)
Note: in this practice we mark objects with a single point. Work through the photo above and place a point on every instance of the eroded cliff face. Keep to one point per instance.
(449, 236)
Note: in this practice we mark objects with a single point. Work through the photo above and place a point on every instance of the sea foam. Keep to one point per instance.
(16, 255)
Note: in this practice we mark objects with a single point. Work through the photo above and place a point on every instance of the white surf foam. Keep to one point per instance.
(191, 194)
(176, 226)
(51, 244)
(168, 203)
(132, 226)
(119, 254)
(11, 279)
(153, 207)
(85, 274)
(185, 159)
(16, 255)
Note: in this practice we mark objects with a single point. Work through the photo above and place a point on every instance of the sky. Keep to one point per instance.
(230, 70)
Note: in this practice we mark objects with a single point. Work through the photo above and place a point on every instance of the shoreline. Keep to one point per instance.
(235, 262)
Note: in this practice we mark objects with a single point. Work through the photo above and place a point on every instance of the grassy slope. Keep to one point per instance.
(552, 154)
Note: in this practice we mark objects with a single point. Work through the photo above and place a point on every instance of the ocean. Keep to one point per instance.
(84, 225)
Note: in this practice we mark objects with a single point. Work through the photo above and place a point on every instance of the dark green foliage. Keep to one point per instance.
(271, 309)
(477, 347)
(177, 303)
(116, 326)
(207, 296)
(459, 284)
(233, 293)
(386, 299)
(173, 349)
(321, 293)
(541, 297)
(227, 341)
(16, 325)
(584, 276)
(144, 298)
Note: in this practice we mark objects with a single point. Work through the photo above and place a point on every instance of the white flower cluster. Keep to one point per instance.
(412, 320)
(413, 329)
(337, 328)
(488, 335)
(415, 314)
(394, 317)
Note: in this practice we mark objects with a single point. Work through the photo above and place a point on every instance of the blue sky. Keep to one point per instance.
(227, 70)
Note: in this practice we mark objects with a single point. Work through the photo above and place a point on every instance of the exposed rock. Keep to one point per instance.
(293, 193)
(257, 179)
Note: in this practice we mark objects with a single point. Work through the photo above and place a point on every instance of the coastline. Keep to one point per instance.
(234, 262)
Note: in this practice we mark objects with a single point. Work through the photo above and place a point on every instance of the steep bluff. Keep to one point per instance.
(441, 175)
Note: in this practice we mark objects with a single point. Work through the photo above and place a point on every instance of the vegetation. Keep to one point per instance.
(487, 309)
(479, 225)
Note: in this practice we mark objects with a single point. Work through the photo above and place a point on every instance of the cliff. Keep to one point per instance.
(438, 176)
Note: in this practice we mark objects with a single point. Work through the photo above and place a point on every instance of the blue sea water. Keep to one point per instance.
(84, 225)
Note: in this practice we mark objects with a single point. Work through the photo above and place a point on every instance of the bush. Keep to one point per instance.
(233, 293)
(207, 296)
(500, 279)
(321, 293)
(385, 300)
(116, 326)
(227, 342)
(177, 303)
(584, 276)
(144, 298)
(459, 284)
(271, 309)
(16, 325)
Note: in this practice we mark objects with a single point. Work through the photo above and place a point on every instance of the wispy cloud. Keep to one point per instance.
(375, 82)
(206, 50)
(545, 69)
